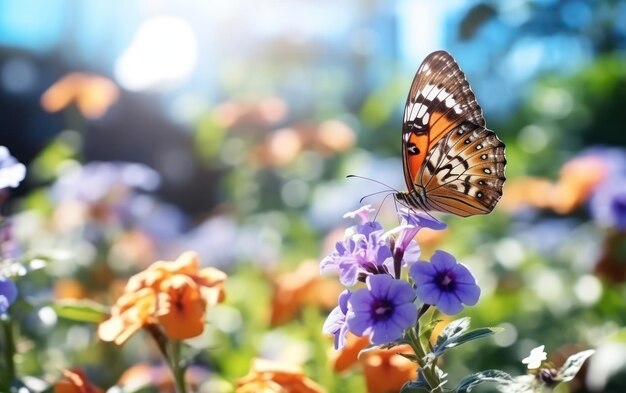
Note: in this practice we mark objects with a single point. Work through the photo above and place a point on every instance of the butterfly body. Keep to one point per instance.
(452, 162)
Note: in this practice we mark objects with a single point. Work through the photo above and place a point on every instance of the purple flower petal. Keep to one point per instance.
(445, 283)
(449, 303)
(336, 321)
(383, 310)
(468, 293)
(8, 294)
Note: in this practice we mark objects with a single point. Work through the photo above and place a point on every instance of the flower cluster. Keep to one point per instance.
(172, 295)
(388, 305)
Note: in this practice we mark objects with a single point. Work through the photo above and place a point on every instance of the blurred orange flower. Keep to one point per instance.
(75, 381)
(302, 287)
(172, 295)
(577, 180)
(93, 94)
(271, 377)
(348, 356)
(386, 371)
(157, 376)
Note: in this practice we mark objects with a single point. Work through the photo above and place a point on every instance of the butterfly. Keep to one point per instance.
(452, 162)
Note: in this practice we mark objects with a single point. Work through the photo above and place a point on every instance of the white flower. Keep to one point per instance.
(12, 172)
(535, 358)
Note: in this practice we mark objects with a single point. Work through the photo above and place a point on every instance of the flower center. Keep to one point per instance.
(382, 309)
(446, 281)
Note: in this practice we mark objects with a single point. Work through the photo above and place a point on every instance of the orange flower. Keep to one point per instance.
(302, 287)
(75, 381)
(577, 180)
(157, 376)
(181, 308)
(172, 295)
(271, 377)
(93, 94)
(348, 356)
(132, 311)
(386, 371)
(210, 280)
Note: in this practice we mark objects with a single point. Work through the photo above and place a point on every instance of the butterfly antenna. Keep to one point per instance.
(375, 181)
(381, 205)
(372, 194)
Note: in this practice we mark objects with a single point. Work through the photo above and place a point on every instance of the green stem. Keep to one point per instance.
(428, 370)
(9, 353)
(177, 369)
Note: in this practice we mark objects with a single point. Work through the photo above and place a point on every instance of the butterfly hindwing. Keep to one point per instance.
(465, 171)
(452, 163)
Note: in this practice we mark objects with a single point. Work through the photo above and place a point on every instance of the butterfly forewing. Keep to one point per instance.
(452, 163)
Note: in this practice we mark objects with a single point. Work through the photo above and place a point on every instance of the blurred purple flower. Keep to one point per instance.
(445, 283)
(336, 322)
(608, 204)
(12, 172)
(362, 252)
(383, 310)
(613, 158)
(96, 180)
(8, 294)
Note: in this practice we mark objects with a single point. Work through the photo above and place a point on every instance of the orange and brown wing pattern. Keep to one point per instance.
(464, 171)
(439, 100)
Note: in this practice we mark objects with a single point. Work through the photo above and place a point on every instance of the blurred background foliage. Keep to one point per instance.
(250, 115)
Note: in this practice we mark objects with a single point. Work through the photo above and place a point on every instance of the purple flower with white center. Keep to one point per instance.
(336, 322)
(382, 311)
(362, 252)
(12, 172)
(445, 283)
(608, 204)
(8, 294)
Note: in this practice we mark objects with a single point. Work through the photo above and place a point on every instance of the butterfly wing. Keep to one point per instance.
(440, 103)
(464, 171)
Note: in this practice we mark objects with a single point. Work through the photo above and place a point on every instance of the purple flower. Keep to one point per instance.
(12, 172)
(412, 222)
(362, 252)
(336, 321)
(96, 180)
(8, 294)
(608, 204)
(362, 212)
(383, 310)
(445, 283)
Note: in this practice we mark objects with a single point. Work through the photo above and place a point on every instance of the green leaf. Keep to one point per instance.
(471, 381)
(453, 329)
(81, 310)
(573, 364)
(453, 341)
